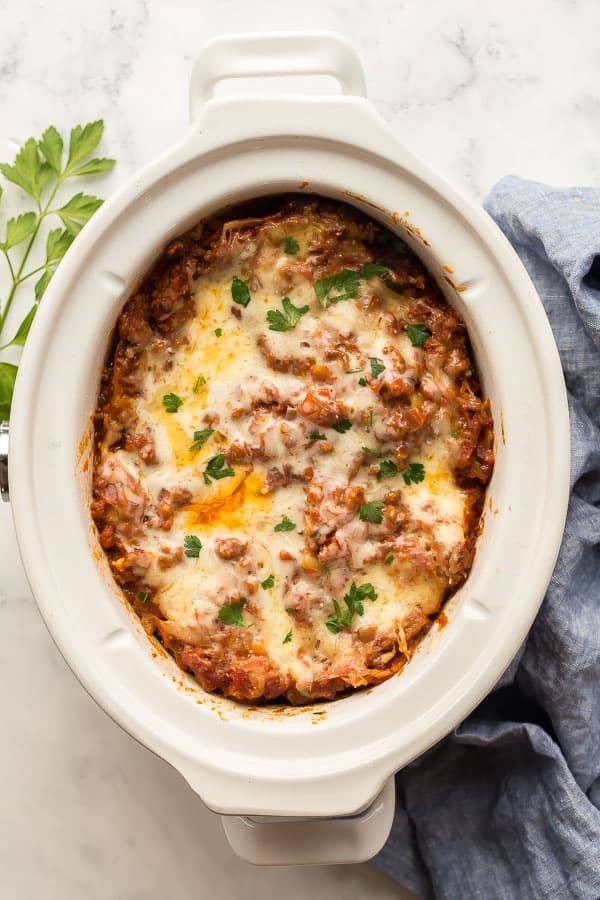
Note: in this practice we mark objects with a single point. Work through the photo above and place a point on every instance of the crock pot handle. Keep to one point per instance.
(313, 842)
(274, 54)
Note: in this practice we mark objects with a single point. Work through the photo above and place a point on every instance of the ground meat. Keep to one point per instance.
(294, 426)
(230, 548)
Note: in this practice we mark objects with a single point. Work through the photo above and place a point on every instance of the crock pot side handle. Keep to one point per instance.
(274, 54)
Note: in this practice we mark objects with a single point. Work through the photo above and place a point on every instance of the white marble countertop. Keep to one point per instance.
(477, 89)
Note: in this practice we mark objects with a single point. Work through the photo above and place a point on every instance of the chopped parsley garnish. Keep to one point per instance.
(342, 426)
(394, 286)
(388, 468)
(372, 270)
(389, 560)
(285, 525)
(372, 512)
(240, 292)
(200, 438)
(455, 433)
(215, 468)
(288, 637)
(414, 473)
(231, 613)
(171, 402)
(289, 318)
(268, 582)
(362, 381)
(192, 545)
(418, 334)
(143, 596)
(354, 606)
(218, 332)
(368, 450)
(353, 371)
(376, 367)
(343, 286)
(291, 245)
(200, 382)
(317, 436)
(371, 418)
(291, 611)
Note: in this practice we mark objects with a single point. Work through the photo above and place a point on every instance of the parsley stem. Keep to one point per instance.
(16, 277)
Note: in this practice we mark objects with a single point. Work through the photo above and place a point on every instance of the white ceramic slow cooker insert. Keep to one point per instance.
(335, 759)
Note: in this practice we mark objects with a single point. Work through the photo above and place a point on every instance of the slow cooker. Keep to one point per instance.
(315, 784)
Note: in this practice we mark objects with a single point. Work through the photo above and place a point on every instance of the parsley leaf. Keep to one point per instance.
(455, 433)
(18, 229)
(192, 545)
(354, 606)
(200, 381)
(218, 332)
(143, 596)
(77, 211)
(231, 613)
(200, 438)
(368, 450)
(342, 426)
(291, 245)
(240, 292)
(388, 468)
(362, 381)
(8, 374)
(171, 402)
(376, 367)
(291, 611)
(372, 512)
(353, 371)
(414, 473)
(215, 468)
(418, 334)
(83, 139)
(371, 270)
(288, 637)
(389, 560)
(394, 286)
(342, 286)
(289, 318)
(285, 525)
(268, 582)
(317, 436)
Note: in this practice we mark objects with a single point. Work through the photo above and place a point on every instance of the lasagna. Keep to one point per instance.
(291, 451)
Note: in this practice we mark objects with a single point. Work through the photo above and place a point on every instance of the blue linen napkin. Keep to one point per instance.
(508, 806)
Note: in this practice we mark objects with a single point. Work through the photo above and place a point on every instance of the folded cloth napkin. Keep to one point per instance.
(508, 806)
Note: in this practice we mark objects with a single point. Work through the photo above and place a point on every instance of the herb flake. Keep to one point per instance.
(231, 613)
(285, 525)
(171, 402)
(417, 334)
(240, 292)
(192, 546)
(289, 318)
(414, 473)
(288, 637)
(376, 367)
(342, 426)
(291, 245)
(200, 438)
(372, 512)
(388, 468)
(216, 469)
(268, 582)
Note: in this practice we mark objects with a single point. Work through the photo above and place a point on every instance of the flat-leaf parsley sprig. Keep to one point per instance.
(41, 170)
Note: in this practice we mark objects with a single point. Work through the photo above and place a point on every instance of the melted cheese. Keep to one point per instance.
(238, 378)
